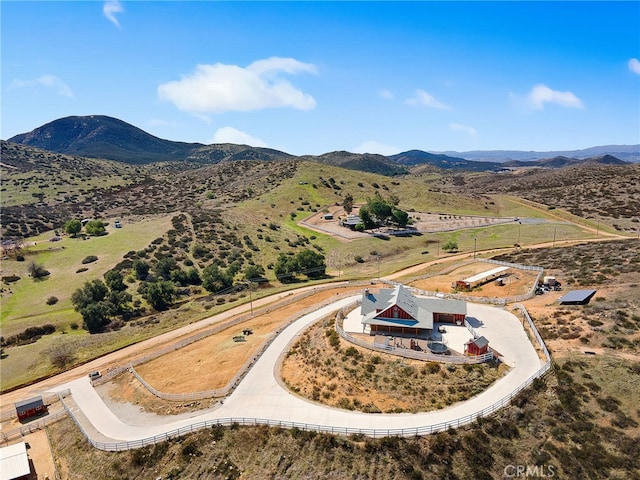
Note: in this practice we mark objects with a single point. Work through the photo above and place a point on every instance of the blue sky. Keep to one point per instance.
(314, 77)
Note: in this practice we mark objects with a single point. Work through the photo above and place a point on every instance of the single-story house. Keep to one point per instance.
(351, 221)
(397, 310)
(30, 408)
(476, 346)
(14, 462)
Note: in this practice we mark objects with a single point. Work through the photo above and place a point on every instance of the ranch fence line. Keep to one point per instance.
(412, 231)
(470, 298)
(374, 433)
(228, 388)
(37, 424)
(404, 352)
(46, 399)
(223, 325)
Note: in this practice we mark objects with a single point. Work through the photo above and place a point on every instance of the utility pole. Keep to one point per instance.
(475, 240)
(519, 228)
(554, 236)
(250, 299)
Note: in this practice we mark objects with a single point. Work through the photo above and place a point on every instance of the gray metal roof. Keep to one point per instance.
(479, 342)
(577, 296)
(421, 309)
(31, 402)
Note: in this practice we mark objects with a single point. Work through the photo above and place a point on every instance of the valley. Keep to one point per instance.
(184, 241)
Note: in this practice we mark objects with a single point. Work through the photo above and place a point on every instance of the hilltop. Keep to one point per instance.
(99, 136)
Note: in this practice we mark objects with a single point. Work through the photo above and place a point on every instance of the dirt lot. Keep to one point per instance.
(422, 222)
(211, 363)
(516, 282)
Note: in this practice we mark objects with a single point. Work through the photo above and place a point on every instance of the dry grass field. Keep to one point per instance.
(212, 362)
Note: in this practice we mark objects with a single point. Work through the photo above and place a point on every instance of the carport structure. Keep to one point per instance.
(577, 297)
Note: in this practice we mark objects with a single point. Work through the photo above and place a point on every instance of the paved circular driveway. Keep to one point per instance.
(260, 395)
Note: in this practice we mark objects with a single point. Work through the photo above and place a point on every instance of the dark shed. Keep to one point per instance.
(30, 408)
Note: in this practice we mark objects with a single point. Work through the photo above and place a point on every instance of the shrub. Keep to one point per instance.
(37, 270)
(52, 300)
(89, 259)
(83, 269)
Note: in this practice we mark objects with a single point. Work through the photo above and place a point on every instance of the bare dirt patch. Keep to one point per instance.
(40, 454)
(329, 370)
(212, 362)
(516, 282)
(610, 323)
(126, 389)
(424, 222)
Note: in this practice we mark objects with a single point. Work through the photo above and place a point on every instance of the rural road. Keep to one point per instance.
(142, 348)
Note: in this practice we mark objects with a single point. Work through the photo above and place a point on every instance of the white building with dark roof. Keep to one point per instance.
(397, 310)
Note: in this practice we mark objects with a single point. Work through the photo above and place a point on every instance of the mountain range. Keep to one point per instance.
(99, 136)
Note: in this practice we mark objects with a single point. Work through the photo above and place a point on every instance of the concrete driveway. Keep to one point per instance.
(261, 395)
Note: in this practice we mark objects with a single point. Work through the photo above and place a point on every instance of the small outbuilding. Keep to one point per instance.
(30, 408)
(14, 462)
(577, 297)
(351, 221)
(479, 279)
(476, 346)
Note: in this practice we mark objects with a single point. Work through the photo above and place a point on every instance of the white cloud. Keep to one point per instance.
(222, 88)
(541, 94)
(48, 81)
(371, 146)
(457, 127)
(634, 65)
(386, 94)
(424, 99)
(110, 8)
(232, 135)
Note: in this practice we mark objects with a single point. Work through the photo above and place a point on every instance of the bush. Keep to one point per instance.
(37, 271)
(52, 300)
(89, 259)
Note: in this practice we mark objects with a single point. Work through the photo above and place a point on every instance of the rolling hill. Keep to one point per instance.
(99, 136)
